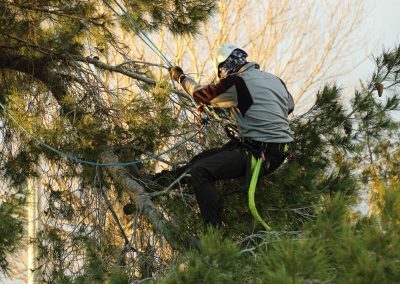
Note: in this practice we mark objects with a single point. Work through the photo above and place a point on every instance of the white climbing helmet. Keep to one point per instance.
(223, 53)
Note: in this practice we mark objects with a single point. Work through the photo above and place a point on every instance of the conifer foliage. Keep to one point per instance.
(336, 247)
(318, 236)
(55, 80)
(68, 78)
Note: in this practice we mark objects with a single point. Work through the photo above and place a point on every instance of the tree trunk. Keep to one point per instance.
(142, 200)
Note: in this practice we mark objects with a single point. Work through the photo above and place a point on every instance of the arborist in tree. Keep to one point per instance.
(260, 103)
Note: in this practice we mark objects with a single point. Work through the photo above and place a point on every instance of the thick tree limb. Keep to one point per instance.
(141, 199)
(38, 68)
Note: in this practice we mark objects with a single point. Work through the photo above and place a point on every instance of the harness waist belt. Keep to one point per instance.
(257, 146)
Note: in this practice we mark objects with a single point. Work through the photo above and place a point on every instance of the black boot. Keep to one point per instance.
(165, 178)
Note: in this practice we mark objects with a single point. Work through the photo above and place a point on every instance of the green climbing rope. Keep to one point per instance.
(255, 169)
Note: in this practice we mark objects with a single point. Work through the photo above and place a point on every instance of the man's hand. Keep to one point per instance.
(176, 72)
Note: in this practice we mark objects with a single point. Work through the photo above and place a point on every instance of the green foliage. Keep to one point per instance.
(82, 109)
(216, 263)
(11, 226)
(118, 276)
(337, 247)
(18, 168)
(180, 16)
(95, 270)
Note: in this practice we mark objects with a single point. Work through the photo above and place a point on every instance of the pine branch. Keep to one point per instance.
(119, 69)
(169, 188)
(49, 54)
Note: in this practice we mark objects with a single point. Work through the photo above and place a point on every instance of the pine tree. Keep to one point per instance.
(11, 225)
(53, 54)
(336, 247)
(66, 77)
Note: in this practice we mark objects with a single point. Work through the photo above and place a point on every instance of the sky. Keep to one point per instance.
(384, 32)
(382, 29)
(383, 25)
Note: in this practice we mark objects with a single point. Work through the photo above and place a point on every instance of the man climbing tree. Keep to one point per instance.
(78, 93)
(260, 103)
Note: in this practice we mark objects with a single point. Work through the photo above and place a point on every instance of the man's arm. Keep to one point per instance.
(222, 93)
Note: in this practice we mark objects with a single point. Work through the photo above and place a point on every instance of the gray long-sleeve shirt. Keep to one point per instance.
(259, 101)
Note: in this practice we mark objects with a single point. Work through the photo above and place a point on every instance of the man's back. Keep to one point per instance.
(262, 109)
(259, 100)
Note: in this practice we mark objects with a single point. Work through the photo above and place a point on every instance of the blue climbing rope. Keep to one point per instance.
(133, 26)
(81, 161)
(146, 39)
(137, 30)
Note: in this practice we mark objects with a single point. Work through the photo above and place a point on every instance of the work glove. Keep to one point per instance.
(176, 72)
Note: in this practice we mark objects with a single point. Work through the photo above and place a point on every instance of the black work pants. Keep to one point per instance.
(230, 161)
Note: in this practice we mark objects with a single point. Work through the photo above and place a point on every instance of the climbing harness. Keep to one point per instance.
(231, 131)
(203, 120)
(256, 165)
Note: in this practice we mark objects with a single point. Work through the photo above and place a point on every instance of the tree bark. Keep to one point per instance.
(141, 199)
